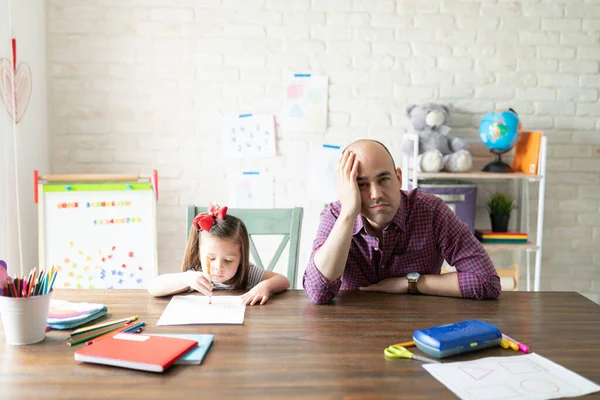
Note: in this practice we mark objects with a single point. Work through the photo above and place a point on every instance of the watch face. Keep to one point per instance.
(413, 275)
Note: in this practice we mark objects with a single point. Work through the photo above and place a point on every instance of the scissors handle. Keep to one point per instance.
(424, 359)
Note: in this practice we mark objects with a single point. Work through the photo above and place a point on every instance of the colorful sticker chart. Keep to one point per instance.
(99, 235)
(305, 103)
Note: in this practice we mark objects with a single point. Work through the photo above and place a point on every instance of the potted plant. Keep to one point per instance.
(500, 206)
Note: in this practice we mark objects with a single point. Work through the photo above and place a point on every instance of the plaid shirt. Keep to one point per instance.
(423, 233)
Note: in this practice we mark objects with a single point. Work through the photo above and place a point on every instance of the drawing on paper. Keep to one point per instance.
(501, 378)
(305, 103)
(252, 189)
(322, 172)
(15, 85)
(250, 136)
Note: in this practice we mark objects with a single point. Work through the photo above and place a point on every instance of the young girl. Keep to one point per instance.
(218, 257)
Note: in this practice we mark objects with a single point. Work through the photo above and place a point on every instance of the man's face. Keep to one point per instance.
(379, 185)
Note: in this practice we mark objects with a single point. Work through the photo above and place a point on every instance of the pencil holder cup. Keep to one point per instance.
(24, 318)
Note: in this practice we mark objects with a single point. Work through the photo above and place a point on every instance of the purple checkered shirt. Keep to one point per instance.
(423, 233)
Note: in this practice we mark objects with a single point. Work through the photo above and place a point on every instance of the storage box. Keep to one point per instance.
(461, 197)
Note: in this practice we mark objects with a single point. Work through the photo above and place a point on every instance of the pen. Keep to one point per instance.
(208, 271)
(520, 346)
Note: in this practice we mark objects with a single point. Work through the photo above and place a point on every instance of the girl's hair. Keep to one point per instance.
(230, 228)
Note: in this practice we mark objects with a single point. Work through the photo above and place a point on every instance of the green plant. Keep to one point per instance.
(500, 204)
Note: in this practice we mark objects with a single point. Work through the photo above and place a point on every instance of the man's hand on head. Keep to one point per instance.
(389, 285)
(347, 188)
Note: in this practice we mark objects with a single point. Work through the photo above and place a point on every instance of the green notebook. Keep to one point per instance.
(196, 355)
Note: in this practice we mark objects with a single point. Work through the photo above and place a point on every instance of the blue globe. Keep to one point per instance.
(500, 130)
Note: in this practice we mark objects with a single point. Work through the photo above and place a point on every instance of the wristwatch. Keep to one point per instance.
(413, 278)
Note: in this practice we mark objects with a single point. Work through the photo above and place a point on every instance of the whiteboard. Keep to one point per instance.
(98, 235)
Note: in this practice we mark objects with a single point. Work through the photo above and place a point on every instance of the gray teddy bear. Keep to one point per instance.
(437, 149)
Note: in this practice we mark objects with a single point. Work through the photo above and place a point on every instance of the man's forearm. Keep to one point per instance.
(440, 285)
(331, 258)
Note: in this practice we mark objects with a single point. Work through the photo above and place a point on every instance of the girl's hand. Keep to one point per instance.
(259, 294)
(200, 281)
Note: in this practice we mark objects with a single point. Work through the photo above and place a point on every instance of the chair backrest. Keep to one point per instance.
(275, 221)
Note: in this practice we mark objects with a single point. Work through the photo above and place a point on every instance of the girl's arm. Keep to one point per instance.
(169, 284)
(275, 282)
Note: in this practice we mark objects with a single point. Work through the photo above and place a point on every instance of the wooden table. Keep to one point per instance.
(291, 348)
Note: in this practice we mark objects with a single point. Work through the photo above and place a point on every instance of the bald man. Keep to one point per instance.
(380, 238)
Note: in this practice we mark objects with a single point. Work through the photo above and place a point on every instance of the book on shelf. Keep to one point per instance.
(136, 351)
(527, 152)
(501, 237)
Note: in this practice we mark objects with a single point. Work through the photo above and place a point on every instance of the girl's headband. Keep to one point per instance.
(205, 221)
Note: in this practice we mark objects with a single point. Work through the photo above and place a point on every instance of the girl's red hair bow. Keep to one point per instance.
(205, 221)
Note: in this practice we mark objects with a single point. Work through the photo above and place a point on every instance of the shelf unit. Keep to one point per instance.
(522, 182)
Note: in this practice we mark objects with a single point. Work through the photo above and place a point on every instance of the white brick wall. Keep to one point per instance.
(137, 85)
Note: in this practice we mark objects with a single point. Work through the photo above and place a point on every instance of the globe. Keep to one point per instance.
(499, 130)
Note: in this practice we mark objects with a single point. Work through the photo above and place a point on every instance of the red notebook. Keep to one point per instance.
(135, 351)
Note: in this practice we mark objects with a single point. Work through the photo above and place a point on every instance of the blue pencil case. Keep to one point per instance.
(452, 339)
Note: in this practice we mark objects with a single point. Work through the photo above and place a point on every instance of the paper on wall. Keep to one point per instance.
(305, 103)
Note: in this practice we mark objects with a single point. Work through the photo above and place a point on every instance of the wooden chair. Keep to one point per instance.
(276, 221)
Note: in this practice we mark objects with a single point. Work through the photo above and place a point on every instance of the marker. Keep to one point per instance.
(520, 346)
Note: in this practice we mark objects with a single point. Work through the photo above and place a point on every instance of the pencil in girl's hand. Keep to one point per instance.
(208, 272)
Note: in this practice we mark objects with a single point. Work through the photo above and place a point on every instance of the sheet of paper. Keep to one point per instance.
(322, 172)
(251, 189)
(250, 136)
(305, 103)
(191, 310)
(518, 377)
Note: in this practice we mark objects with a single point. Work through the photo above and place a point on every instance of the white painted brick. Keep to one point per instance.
(243, 31)
(578, 95)
(455, 64)
(586, 165)
(459, 8)
(556, 52)
(536, 94)
(372, 120)
(76, 12)
(393, 49)
(413, 93)
(574, 123)
(516, 23)
(565, 150)
(217, 74)
(495, 64)
(580, 38)
(497, 37)
(592, 109)
(589, 192)
(288, 5)
(456, 91)
(474, 78)
(325, 32)
(92, 156)
(375, 5)
(473, 50)
(157, 29)
(303, 17)
(243, 4)
(431, 49)
(127, 14)
(307, 47)
(425, 78)
(529, 65)
(245, 60)
(550, 9)
(354, 19)
(582, 10)
(579, 66)
(539, 122)
(288, 31)
(554, 108)
(332, 5)
(374, 34)
(69, 26)
(205, 30)
(439, 21)
(374, 63)
(172, 14)
(417, 35)
(347, 105)
(130, 71)
(339, 118)
(417, 63)
(583, 178)
(558, 80)
(578, 205)
(347, 47)
(328, 62)
(477, 22)
(561, 24)
(390, 20)
(591, 24)
(588, 53)
(538, 38)
(292, 61)
(494, 92)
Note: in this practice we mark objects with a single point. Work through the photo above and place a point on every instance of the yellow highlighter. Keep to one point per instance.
(505, 343)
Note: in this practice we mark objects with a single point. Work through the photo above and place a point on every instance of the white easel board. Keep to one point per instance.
(98, 235)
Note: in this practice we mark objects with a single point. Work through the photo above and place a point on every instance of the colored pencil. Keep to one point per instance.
(103, 325)
(128, 328)
(95, 334)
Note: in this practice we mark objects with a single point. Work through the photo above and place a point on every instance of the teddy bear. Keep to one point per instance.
(437, 149)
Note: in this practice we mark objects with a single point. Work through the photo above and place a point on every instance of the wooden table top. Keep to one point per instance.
(291, 348)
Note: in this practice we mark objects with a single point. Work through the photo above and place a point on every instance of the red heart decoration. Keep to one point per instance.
(22, 88)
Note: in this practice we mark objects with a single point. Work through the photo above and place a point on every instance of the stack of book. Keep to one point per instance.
(67, 314)
(501, 237)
